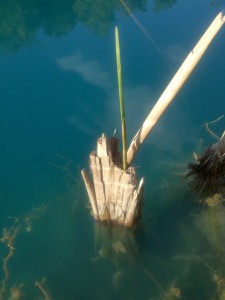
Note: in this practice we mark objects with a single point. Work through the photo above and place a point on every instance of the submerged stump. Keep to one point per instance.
(115, 194)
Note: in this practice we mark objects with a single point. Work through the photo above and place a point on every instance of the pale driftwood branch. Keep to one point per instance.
(174, 86)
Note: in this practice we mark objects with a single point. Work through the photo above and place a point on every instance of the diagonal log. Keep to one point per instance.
(174, 86)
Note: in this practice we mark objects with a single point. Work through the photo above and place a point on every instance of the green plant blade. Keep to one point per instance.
(121, 99)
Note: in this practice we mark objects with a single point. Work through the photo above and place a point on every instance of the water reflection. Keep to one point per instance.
(162, 4)
(20, 21)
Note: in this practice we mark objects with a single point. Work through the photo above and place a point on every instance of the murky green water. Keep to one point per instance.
(58, 94)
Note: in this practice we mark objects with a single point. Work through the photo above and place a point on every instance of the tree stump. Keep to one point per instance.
(115, 194)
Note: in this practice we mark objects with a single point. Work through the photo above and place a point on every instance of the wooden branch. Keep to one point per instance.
(174, 86)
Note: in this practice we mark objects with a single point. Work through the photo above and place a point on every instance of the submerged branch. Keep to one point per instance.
(40, 286)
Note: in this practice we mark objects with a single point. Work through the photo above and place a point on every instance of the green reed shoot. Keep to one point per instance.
(121, 98)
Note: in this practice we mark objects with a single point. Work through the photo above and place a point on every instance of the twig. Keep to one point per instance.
(8, 238)
(39, 285)
(209, 130)
(142, 28)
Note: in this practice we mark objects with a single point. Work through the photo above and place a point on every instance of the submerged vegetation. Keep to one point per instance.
(20, 225)
(133, 262)
(208, 172)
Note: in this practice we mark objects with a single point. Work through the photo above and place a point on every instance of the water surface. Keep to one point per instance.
(58, 94)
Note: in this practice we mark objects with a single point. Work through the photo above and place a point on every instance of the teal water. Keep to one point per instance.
(58, 94)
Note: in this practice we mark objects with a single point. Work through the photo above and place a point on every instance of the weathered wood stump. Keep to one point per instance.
(115, 194)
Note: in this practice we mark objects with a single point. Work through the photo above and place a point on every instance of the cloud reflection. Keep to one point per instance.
(85, 119)
(173, 130)
(175, 53)
(90, 70)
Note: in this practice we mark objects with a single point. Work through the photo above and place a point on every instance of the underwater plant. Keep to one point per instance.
(21, 224)
(209, 170)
